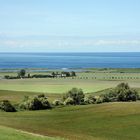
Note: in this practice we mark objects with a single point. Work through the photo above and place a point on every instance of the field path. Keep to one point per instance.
(33, 134)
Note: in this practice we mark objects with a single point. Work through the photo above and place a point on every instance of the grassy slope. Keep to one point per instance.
(12, 134)
(102, 122)
(60, 85)
(54, 85)
(18, 96)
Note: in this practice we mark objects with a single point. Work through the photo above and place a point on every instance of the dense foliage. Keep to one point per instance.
(36, 103)
(121, 93)
(6, 106)
(22, 73)
(57, 102)
(76, 95)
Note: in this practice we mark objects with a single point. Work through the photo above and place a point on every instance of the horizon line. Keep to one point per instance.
(77, 52)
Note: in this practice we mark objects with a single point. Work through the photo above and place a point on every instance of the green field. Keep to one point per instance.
(7, 133)
(89, 81)
(108, 121)
(17, 96)
(55, 85)
(112, 121)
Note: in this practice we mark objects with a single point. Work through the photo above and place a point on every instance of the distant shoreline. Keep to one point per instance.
(67, 69)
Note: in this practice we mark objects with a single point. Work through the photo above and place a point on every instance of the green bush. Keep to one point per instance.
(99, 100)
(41, 96)
(121, 93)
(128, 95)
(76, 94)
(69, 101)
(123, 86)
(87, 101)
(90, 100)
(57, 103)
(36, 103)
(6, 106)
(111, 96)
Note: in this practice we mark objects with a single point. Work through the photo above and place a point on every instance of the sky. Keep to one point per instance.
(69, 26)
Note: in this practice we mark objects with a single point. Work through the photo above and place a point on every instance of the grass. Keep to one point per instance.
(110, 121)
(91, 122)
(85, 80)
(55, 85)
(17, 96)
(7, 133)
(60, 85)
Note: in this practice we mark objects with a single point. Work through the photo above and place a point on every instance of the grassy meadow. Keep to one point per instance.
(107, 121)
(111, 121)
(89, 81)
(7, 133)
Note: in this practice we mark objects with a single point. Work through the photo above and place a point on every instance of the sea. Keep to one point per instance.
(69, 60)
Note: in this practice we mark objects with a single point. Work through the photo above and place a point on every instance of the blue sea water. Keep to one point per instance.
(70, 60)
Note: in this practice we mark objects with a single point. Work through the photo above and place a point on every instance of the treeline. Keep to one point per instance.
(23, 74)
(75, 96)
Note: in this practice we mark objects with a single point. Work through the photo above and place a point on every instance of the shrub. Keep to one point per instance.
(87, 101)
(90, 99)
(6, 76)
(41, 96)
(41, 76)
(45, 103)
(123, 86)
(57, 103)
(36, 103)
(128, 95)
(99, 100)
(111, 96)
(121, 93)
(6, 106)
(69, 101)
(10, 77)
(76, 94)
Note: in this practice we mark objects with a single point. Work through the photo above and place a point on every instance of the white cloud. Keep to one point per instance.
(67, 43)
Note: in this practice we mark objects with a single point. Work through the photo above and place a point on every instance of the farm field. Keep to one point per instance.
(91, 81)
(110, 121)
(107, 121)
(56, 85)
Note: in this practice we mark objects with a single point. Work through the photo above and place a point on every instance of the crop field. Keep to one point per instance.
(111, 121)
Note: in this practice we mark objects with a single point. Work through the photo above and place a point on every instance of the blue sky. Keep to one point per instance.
(69, 25)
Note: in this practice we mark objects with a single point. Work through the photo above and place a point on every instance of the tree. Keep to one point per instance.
(123, 86)
(29, 76)
(36, 103)
(6, 106)
(121, 93)
(53, 74)
(76, 94)
(22, 73)
(73, 74)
